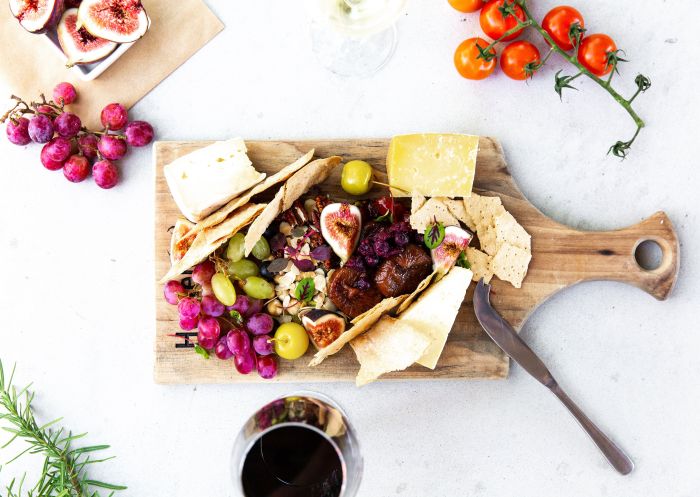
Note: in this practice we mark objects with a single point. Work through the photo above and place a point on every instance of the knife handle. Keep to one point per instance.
(617, 458)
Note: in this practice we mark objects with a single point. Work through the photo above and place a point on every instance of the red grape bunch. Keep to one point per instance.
(241, 331)
(69, 145)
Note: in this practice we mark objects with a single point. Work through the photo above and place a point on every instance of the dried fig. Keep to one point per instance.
(351, 293)
(401, 273)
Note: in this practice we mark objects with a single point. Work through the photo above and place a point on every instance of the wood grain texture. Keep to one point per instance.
(561, 257)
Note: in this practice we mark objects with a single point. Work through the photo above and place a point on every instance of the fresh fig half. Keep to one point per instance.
(120, 21)
(36, 16)
(446, 254)
(341, 224)
(80, 46)
(323, 327)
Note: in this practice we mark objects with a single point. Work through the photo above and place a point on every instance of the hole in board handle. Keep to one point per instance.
(648, 255)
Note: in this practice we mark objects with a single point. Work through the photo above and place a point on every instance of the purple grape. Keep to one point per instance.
(40, 129)
(267, 366)
(18, 131)
(88, 146)
(246, 306)
(47, 161)
(262, 344)
(114, 116)
(172, 291)
(245, 361)
(208, 331)
(188, 324)
(105, 173)
(139, 133)
(76, 168)
(203, 272)
(67, 124)
(58, 149)
(211, 306)
(188, 307)
(64, 93)
(238, 341)
(112, 147)
(260, 324)
(207, 289)
(221, 350)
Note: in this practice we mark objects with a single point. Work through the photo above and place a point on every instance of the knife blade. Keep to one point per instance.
(515, 347)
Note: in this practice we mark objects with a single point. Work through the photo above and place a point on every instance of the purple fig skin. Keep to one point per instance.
(51, 21)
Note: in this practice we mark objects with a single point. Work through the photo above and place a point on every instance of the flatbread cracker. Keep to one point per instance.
(421, 286)
(510, 264)
(509, 231)
(281, 175)
(389, 346)
(207, 241)
(366, 322)
(480, 264)
(433, 210)
(417, 201)
(298, 184)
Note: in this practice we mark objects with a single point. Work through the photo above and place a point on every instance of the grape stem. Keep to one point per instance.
(619, 149)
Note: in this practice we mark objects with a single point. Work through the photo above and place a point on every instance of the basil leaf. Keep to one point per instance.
(305, 290)
(434, 235)
(462, 261)
(201, 351)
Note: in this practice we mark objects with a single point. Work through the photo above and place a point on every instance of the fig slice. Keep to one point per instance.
(341, 224)
(323, 327)
(36, 16)
(120, 21)
(446, 254)
(80, 46)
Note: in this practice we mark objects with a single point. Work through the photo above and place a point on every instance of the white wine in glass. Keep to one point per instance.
(354, 37)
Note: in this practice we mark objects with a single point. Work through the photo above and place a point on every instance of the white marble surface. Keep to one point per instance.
(76, 304)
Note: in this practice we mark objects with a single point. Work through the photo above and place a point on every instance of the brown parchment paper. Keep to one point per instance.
(29, 65)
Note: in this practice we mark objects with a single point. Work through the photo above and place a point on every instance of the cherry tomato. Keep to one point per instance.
(593, 53)
(516, 57)
(467, 5)
(558, 22)
(467, 63)
(494, 24)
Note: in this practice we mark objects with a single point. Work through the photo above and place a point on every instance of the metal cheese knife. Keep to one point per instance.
(506, 338)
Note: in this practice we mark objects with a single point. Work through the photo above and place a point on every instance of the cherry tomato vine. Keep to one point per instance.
(595, 56)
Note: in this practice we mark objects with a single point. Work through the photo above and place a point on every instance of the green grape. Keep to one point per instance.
(243, 269)
(223, 289)
(235, 249)
(258, 288)
(261, 249)
(357, 177)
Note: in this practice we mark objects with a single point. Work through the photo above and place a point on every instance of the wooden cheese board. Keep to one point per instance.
(561, 257)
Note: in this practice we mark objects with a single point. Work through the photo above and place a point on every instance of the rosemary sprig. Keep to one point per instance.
(65, 469)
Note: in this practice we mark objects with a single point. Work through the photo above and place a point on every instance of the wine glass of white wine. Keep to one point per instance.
(354, 37)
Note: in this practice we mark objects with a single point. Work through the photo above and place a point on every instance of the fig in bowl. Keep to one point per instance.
(78, 44)
(36, 16)
(120, 21)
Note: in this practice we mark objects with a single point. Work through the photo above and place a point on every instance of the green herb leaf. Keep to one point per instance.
(237, 318)
(387, 216)
(434, 235)
(305, 290)
(462, 261)
(201, 351)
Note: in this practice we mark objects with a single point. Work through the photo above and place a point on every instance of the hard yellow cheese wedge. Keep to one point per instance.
(433, 165)
(435, 312)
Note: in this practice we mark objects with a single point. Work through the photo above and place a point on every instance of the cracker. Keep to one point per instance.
(510, 264)
(433, 210)
(479, 263)
(281, 175)
(298, 184)
(487, 239)
(421, 286)
(389, 346)
(509, 231)
(458, 210)
(417, 201)
(365, 322)
(207, 241)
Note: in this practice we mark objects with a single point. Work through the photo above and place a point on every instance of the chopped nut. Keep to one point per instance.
(293, 309)
(274, 308)
(285, 228)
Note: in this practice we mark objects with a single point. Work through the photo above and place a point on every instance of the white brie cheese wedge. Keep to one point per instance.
(204, 180)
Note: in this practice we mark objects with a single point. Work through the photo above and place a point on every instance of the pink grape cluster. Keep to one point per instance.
(68, 145)
(241, 332)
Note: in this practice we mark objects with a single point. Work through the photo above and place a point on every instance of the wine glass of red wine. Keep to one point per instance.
(300, 445)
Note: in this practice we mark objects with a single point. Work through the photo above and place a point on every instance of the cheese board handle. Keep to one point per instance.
(611, 255)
